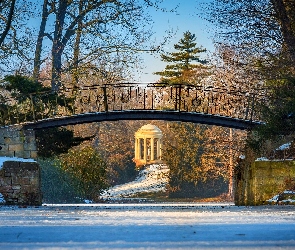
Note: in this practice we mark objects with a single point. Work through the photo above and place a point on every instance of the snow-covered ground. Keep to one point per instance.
(5, 158)
(153, 178)
(147, 226)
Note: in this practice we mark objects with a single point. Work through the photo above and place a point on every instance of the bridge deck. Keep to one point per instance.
(167, 115)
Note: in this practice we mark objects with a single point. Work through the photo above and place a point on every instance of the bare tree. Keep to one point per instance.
(15, 35)
(284, 13)
(84, 30)
(263, 29)
(38, 50)
(6, 19)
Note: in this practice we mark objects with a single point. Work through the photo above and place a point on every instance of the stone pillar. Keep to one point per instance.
(136, 149)
(20, 183)
(144, 151)
(152, 149)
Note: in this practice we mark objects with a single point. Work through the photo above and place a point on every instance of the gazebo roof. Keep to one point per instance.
(149, 129)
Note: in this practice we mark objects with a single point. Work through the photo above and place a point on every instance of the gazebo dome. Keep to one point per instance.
(149, 129)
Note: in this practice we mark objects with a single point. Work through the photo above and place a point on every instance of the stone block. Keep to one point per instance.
(33, 154)
(9, 191)
(19, 154)
(7, 140)
(7, 153)
(16, 147)
(27, 154)
(30, 154)
(26, 181)
(35, 182)
(29, 140)
(30, 147)
(29, 133)
(3, 147)
(11, 166)
(29, 166)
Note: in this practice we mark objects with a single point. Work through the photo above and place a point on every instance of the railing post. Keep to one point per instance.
(152, 99)
(176, 100)
(179, 97)
(105, 98)
(144, 98)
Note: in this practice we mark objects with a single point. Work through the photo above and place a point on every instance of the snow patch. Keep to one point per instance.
(262, 159)
(2, 200)
(284, 146)
(153, 178)
(4, 158)
(286, 197)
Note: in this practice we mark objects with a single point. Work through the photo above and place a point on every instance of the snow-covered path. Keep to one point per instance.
(148, 226)
(153, 178)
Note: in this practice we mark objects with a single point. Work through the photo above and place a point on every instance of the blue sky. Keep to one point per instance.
(186, 18)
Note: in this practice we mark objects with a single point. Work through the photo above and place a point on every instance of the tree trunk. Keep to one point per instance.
(231, 165)
(285, 13)
(77, 47)
(37, 59)
(8, 24)
(58, 46)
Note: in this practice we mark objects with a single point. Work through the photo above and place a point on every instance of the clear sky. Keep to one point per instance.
(186, 18)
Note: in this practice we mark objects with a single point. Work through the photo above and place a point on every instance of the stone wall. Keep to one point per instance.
(17, 142)
(20, 183)
(257, 182)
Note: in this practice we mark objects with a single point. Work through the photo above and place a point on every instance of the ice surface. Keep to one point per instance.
(147, 226)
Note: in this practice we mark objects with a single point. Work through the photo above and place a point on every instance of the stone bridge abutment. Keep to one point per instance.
(16, 141)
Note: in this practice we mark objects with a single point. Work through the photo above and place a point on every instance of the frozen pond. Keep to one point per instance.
(147, 226)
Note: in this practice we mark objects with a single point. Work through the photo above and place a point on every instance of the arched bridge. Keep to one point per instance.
(144, 115)
(133, 101)
(231, 108)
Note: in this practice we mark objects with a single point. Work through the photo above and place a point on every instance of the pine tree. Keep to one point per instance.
(180, 68)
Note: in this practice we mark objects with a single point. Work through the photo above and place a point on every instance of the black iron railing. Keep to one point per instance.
(132, 96)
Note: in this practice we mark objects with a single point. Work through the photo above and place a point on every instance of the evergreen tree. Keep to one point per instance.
(180, 68)
(22, 101)
(26, 99)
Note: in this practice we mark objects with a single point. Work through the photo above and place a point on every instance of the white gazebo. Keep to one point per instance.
(148, 144)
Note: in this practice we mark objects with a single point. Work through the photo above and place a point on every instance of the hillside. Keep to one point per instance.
(153, 178)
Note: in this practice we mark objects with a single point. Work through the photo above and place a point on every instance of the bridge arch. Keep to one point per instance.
(19, 140)
(166, 115)
(131, 101)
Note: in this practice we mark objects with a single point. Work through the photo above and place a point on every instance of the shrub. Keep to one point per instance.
(57, 186)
